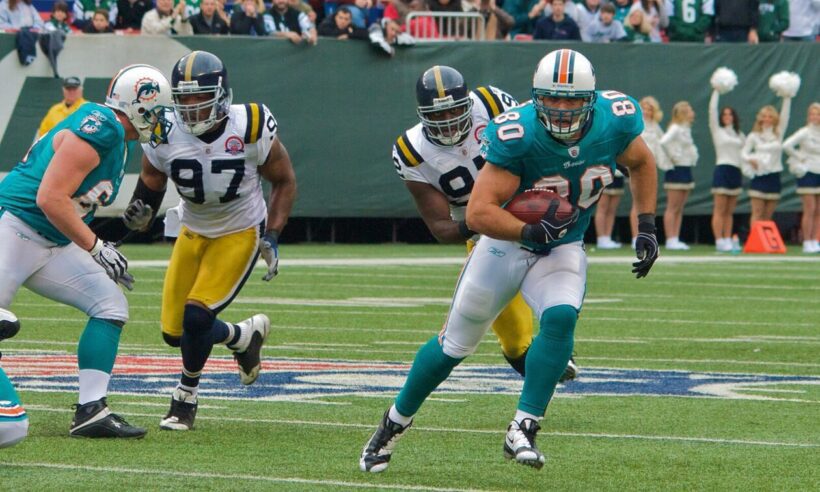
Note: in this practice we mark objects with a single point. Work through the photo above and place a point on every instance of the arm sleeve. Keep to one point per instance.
(503, 154)
(405, 172)
(785, 112)
(663, 14)
(791, 143)
(151, 153)
(270, 130)
(714, 118)
(100, 133)
(304, 23)
(748, 145)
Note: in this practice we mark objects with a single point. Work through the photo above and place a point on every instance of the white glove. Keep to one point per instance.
(138, 215)
(269, 249)
(113, 262)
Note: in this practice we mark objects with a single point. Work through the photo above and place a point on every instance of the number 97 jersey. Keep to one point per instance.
(518, 142)
(219, 182)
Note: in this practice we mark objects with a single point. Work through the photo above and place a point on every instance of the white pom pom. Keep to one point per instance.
(723, 80)
(785, 84)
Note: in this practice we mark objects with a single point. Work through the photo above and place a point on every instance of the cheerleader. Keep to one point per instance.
(727, 179)
(761, 153)
(652, 134)
(803, 149)
(678, 181)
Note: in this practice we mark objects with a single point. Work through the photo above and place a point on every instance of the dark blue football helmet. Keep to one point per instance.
(444, 105)
(200, 72)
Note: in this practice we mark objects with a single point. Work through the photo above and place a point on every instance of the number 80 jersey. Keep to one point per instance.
(219, 182)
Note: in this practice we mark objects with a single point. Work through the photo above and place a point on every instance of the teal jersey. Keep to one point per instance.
(518, 142)
(97, 125)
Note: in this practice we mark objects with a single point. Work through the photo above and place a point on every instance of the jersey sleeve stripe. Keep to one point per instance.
(254, 122)
(407, 153)
(248, 125)
(490, 101)
(260, 124)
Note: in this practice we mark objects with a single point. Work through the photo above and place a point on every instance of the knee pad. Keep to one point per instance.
(12, 433)
(171, 340)
(197, 320)
(558, 322)
(9, 324)
(476, 303)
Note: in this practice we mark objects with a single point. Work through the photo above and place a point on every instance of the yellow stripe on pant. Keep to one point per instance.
(207, 270)
(513, 326)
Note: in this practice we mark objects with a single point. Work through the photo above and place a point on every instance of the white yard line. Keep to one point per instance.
(235, 478)
(704, 440)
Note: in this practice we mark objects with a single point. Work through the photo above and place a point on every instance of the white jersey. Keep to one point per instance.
(219, 182)
(726, 140)
(803, 149)
(452, 170)
(679, 146)
(766, 147)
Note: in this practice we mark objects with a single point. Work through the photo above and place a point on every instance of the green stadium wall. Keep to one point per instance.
(341, 104)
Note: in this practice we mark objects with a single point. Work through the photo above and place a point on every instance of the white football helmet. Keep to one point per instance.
(564, 74)
(142, 94)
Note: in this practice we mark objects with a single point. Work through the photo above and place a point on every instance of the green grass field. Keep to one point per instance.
(703, 376)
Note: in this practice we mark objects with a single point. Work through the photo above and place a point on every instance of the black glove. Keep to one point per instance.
(549, 228)
(138, 215)
(646, 245)
(269, 249)
(113, 262)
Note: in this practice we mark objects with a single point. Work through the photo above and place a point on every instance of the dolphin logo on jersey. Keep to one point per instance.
(147, 90)
(90, 124)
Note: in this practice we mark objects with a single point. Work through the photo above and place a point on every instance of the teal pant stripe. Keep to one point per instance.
(7, 392)
(98, 345)
(548, 357)
(430, 369)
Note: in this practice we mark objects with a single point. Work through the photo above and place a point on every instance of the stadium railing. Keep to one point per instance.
(444, 26)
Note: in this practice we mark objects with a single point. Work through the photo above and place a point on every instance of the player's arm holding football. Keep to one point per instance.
(494, 186)
(277, 170)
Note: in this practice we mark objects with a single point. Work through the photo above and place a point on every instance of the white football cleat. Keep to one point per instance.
(519, 443)
(379, 449)
(248, 350)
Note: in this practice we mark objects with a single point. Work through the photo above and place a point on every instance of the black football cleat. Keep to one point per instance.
(379, 449)
(182, 413)
(95, 420)
(248, 350)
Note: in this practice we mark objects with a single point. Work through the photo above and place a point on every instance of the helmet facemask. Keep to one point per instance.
(563, 124)
(448, 131)
(198, 117)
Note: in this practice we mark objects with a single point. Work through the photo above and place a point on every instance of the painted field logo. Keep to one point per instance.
(292, 379)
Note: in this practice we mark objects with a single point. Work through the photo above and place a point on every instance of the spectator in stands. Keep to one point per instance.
(248, 20)
(605, 28)
(804, 20)
(656, 15)
(689, 21)
(358, 9)
(762, 159)
(726, 179)
(651, 135)
(421, 27)
(84, 11)
(59, 18)
(99, 23)
(209, 20)
(17, 14)
(774, 19)
(586, 12)
(497, 22)
(736, 21)
(557, 26)
(622, 9)
(396, 10)
(445, 6)
(340, 26)
(678, 181)
(130, 13)
(167, 19)
(637, 27)
(803, 149)
(304, 7)
(72, 99)
(283, 21)
(192, 7)
(525, 13)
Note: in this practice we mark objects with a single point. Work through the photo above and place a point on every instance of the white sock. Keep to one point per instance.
(398, 418)
(93, 385)
(672, 240)
(808, 244)
(603, 239)
(193, 390)
(520, 415)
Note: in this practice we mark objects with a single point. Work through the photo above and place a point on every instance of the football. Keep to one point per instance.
(531, 205)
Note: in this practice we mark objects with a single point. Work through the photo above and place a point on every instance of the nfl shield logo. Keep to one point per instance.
(574, 151)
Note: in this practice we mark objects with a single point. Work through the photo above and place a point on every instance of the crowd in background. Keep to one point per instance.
(596, 21)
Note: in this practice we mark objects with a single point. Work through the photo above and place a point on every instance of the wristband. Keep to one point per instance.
(464, 230)
(646, 223)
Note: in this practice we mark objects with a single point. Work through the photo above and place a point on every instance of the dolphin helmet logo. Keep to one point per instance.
(147, 90)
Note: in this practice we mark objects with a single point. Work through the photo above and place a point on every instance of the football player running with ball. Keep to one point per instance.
(46, 204)
(568, 140)
(439, 160)
(215, 154)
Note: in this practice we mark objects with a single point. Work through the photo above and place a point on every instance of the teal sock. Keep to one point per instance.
(430, 369)
(547, 358)
(98, 345)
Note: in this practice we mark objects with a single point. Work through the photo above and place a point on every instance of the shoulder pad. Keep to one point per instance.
(407, 153)
(256, 121)
(489, 100)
